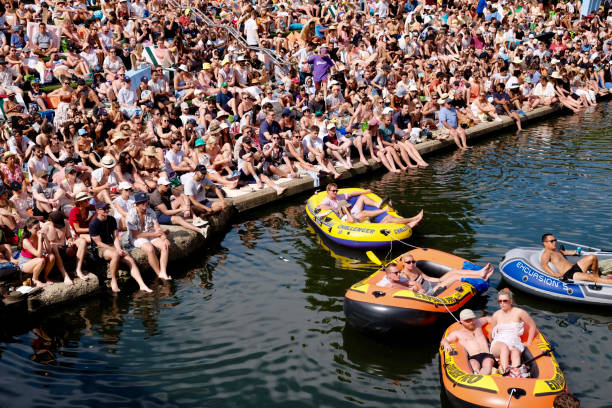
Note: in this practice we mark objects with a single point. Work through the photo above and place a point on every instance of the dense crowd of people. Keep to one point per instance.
(122, 116)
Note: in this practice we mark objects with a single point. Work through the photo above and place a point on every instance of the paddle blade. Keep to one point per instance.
(373, 258)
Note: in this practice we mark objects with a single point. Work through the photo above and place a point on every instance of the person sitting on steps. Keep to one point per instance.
(577, 271)
(357, 212)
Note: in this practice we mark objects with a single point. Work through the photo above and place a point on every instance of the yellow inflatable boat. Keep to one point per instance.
(365, 235)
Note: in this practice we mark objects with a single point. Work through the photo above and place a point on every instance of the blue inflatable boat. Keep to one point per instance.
(521, 268)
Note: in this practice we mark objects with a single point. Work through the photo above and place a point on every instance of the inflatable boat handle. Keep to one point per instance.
(579, 245)
(516, 393)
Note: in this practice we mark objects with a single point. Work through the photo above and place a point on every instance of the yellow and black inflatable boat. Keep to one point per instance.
(364, 235)
(465, 389)
(377, 310)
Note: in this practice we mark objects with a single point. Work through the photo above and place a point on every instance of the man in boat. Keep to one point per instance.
(393, 280)
(473, 340)
(577, 271)
(338, 203)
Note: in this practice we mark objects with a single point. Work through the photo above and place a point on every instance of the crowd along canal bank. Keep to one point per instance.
(186, 244)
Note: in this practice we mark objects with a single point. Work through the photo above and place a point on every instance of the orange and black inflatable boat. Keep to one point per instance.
(377, 310)
(465, 389)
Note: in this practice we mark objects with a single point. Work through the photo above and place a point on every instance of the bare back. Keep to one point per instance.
(56, 236)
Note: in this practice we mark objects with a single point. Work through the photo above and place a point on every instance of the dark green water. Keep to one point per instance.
(243, 327)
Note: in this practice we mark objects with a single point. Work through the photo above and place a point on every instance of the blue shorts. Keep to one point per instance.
(207, 203)
(164, 219)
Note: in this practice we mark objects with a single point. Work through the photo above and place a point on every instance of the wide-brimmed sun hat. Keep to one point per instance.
(108, 161)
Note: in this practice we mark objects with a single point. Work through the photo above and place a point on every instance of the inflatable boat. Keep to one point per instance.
(364, 235)
(465, 389)
(521, 268)
(378, 310)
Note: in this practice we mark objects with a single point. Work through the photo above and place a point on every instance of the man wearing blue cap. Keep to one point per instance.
(106, 244)
(146, 234)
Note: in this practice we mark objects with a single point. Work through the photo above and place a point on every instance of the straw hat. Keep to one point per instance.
(82, 196)
(108, 161)
(6, 155)
(150, 151)
(214, 127)
(556, 75)
(118, 136)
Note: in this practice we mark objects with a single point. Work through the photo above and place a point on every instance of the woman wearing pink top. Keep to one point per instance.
(34, 257)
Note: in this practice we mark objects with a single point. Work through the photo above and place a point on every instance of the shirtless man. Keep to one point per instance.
(62, 244)
(567, 271)
(473, 340)
(357, 211)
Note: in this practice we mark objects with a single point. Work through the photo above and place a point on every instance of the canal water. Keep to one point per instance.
(258, 321)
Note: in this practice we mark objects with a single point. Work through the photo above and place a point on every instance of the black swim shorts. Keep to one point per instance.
(570, 273)
(480, 357)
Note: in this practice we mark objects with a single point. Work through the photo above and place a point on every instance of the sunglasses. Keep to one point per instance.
(409, 262)
(552, 240)
(333, 191)
(500, 301)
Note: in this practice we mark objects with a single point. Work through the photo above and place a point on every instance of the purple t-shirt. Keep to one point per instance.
(321, 67)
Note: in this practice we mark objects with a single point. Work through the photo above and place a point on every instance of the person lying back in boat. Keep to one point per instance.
(508, 326)
(356, 213)
(577, 271)
(434, 286)
(393, 280)
(473, 340)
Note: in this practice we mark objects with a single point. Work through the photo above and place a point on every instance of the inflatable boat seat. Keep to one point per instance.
(433, 269)
(376, 219)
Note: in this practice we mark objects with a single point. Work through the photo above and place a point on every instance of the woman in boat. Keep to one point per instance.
(433, 286)
(508, 326)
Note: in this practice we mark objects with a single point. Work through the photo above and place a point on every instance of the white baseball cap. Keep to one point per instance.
(467, 314)
(163, 181)
(124, 185)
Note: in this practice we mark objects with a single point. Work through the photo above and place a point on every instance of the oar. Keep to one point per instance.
(372, 256)
(545, 353)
